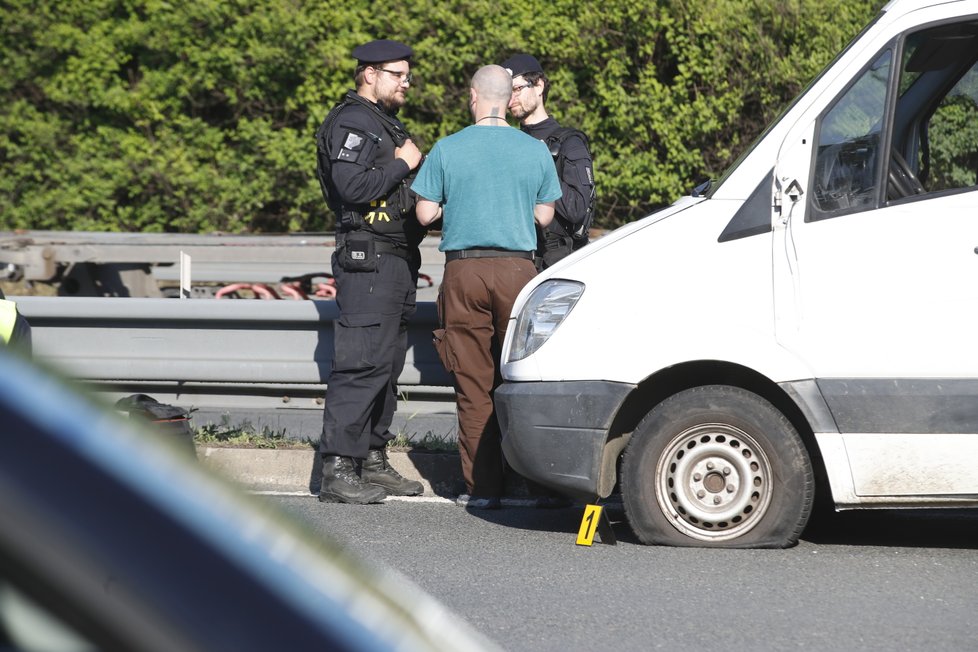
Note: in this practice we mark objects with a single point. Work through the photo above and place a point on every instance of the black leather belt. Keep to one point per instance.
(486, 253)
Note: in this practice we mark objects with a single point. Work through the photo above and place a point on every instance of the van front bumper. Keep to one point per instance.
(556, 433)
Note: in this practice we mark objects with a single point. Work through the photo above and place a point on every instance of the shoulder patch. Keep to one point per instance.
(353, 141)
(352, 147)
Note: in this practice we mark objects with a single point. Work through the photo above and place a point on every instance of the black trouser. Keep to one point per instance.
(370, 343)
(551, 248)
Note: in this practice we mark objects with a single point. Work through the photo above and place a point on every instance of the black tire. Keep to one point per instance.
(717, 466)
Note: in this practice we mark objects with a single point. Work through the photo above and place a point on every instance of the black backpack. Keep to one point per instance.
(555, 142)
(169, 421)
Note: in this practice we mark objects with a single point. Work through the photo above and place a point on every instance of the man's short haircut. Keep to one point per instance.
(358, 73)
(493, 83)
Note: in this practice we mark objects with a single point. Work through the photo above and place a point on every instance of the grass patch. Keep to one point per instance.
(246, 435)
(429, 442)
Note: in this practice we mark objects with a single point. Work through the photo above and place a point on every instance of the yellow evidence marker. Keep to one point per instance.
(589, 524)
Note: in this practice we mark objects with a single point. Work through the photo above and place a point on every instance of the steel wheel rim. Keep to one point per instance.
(714, 482)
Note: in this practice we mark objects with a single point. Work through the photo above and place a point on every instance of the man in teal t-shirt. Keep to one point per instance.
(490, 183)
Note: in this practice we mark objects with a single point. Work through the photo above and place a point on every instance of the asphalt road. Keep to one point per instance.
(868, 581)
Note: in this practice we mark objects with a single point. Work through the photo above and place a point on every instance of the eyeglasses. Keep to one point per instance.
(518, 89)
(405, 77)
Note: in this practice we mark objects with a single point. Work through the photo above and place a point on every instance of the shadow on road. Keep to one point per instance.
(952, 528)
(911, 528)
(565, 520)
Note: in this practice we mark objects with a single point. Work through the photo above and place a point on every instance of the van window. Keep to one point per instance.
(953, 138)
(754, 217)
(931, 132)
(936, 117)
(849, 139)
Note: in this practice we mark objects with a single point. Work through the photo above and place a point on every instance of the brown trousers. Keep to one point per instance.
(474, 303)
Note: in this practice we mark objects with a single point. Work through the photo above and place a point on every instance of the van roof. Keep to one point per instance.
(911, 4)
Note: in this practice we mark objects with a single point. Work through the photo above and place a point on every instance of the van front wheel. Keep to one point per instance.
(717, 466)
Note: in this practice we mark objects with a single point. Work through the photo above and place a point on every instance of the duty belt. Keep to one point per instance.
(486, 252)
(382, 247)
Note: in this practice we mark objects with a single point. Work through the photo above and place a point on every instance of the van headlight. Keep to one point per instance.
(548, 306)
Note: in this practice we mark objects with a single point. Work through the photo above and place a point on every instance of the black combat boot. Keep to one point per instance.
(377, 471)
(341, 484)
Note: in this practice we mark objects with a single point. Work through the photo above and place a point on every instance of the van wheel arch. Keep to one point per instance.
(668, 382)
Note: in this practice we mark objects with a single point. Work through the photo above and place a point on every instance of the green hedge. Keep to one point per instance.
(198, 116)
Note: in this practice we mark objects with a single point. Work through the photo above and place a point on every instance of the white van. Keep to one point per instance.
(807, 327)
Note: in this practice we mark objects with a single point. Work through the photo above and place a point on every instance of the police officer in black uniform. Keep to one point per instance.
(365, 162)
(574, 210)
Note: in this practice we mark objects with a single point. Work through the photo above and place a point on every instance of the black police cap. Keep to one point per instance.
(520, 64)
(382, 50)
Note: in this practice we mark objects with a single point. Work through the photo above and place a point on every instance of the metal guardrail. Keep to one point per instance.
(262, 364)
(206, 340)
(83, 263)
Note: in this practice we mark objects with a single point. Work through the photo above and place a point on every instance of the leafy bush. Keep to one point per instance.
(198, 116)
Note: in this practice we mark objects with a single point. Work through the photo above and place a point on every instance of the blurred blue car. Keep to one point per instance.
(111, 540)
